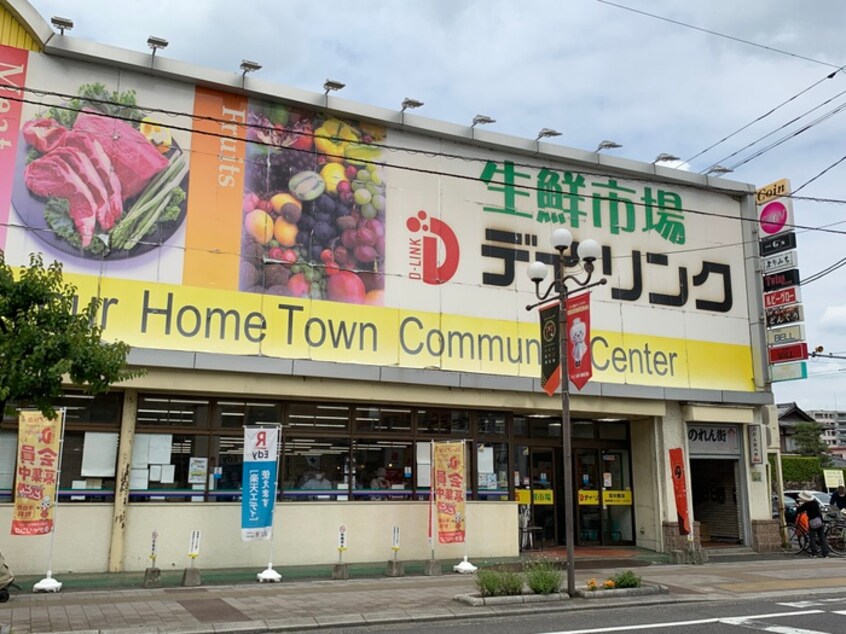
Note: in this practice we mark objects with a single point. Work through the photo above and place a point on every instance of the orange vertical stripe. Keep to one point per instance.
(215, 190)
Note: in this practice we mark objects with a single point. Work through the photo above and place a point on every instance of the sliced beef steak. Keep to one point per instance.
(134, 158)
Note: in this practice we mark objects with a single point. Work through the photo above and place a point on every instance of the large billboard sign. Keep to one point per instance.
(214, 222)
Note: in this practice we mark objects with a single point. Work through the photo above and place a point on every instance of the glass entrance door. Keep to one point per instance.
(535, 483)
(604, 497)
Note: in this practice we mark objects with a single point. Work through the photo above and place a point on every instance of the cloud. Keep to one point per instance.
(834, 319)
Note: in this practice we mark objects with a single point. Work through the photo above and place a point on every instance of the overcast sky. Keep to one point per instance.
(585, 67)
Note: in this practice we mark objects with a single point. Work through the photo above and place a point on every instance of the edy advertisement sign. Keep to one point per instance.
(214, 222)
(258, 482)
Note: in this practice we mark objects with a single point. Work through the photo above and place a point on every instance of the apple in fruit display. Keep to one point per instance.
(298, 285)
(345, 286)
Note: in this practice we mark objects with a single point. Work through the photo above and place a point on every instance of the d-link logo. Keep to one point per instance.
(423, 251)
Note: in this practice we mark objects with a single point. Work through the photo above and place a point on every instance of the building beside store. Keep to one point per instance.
(357, 276)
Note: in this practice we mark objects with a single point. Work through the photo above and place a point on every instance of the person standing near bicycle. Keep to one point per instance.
(838, 499)
(809, 505)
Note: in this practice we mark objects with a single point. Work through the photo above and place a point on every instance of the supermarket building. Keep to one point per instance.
(357, 276)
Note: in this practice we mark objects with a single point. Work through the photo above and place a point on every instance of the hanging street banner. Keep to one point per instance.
(37, 475)
(680, 489)
(450, 486)
(550, 348)
(258, 494)
(579, 366)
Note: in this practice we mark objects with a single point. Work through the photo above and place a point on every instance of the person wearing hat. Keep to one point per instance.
(809, 505)
(381, 480)
(838, 498)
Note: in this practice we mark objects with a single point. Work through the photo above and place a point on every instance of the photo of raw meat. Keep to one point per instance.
(98, 178)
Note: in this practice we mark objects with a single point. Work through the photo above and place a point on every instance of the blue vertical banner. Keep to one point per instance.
(258, 484)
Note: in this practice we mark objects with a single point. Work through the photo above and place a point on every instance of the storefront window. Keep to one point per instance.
(176, 411)
(8, 463)
(236, 414)
(491, 423)
(169, 466)
(382, 419)
(584, 429)
(613, 431)
(103, 409)
(545, 426)
(89, 461)
(383, 470)
(317, 416)
(316, 469)
(492, 470)
(225, 477)
(443, 421)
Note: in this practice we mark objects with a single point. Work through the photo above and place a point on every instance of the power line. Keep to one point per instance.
(433, 172)
(761, 118)
(772, 49)
(835, 111)
(827, 169)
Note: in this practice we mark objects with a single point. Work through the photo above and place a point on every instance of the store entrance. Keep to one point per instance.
(539, 473)
(714, 496)
(604, 513)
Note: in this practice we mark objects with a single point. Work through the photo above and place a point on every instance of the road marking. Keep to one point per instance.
(762, 626)
(809, 604)
(736, 620)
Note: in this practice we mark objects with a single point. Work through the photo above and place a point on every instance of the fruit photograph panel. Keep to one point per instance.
(313, 207)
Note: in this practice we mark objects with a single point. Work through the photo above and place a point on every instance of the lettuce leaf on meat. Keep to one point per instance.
(57, 216)
(97, 97)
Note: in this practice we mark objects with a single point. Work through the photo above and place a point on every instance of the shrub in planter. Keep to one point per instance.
(511, 583)
(627, 579)
(496, 583)
(487, 582)
(543, 577)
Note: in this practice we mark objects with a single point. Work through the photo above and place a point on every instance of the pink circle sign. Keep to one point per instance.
(773, 217)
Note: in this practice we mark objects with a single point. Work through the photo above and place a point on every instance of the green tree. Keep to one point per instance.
(809, 442)
(43, 338)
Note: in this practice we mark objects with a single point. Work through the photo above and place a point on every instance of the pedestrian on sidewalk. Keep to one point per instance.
(838, 499)
(811, 507)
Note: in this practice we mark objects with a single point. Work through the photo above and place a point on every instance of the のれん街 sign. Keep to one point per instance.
(712, 439)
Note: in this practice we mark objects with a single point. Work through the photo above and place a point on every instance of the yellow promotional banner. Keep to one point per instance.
(172, 317)
(618, 498)
(589, 498)
(37, 473)
(449, 486)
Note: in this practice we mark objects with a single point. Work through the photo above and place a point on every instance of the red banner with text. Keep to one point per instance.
(579, 366)
(450, 486)
(680, 489)
(37, 474)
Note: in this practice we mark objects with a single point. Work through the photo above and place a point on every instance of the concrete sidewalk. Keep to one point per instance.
(306, 605)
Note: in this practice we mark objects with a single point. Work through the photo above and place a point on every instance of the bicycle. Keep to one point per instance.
(835, 532)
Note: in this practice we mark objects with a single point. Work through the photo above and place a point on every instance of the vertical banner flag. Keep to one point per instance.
(579, 366)
(258, 483)
(550, 349)
(449, 487)
(37, 473)
(680, 489)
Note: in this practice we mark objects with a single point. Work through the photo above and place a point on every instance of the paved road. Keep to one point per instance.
(303, 605)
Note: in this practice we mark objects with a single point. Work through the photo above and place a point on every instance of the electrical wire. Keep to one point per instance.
(760, 118)
(771, 49)
(636, 203)
(823, 172)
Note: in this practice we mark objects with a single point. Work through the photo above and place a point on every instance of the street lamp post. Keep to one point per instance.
(587, 253)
